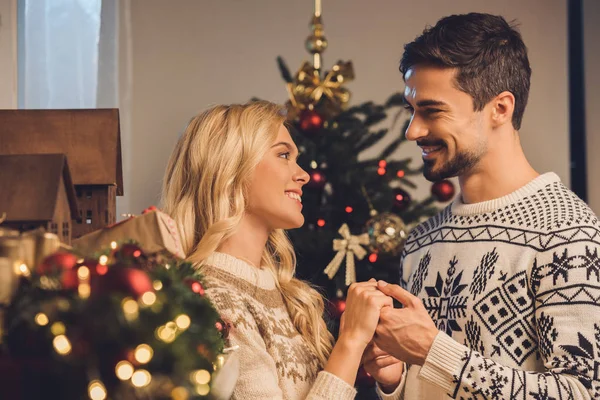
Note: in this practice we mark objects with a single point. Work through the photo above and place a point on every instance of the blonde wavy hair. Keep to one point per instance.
(205, 190)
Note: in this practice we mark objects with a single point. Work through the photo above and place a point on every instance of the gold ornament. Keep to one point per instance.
(349, 247)
(387, 233)
(308, 90)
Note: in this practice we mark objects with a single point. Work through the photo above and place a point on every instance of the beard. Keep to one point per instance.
(456, 166)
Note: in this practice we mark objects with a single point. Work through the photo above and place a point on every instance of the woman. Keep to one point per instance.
(233, 186)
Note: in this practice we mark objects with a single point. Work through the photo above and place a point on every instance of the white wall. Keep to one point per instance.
(189, 54)
(591, 32)
(8, 54)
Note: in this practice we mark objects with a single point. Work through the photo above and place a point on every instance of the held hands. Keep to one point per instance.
(405, 333)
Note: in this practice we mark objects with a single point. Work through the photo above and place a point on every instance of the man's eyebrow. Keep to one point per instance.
(425, 102)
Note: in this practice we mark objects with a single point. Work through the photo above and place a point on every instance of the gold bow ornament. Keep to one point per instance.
(308, 89)
(349, 247)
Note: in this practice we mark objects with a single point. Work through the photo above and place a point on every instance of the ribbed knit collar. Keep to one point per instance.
(259, 277)
(460, 208)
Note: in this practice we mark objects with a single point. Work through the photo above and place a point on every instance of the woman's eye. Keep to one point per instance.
(285, 155)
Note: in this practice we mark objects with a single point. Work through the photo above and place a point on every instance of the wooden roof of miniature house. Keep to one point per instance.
(91, 140)
(30, 183)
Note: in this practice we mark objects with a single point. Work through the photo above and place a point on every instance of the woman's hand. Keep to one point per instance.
(363, 305)
(384, 368)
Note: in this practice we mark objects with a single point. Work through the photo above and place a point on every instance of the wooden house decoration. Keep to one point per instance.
(36, 191)
(90, 139)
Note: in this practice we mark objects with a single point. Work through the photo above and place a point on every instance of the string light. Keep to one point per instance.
(103, 260)
(113, 245)
(130, 308)
(143, 353)
(400, 174)
(372, 257)
(321, 223)
(141, 378)
(382, 164)
(124, 370)
(21, 269)
(62, 345)
(183, 321)
(200, 377)
(41, 319)
(148, 298)
(202, 390)
(58, 328)
(179, 393)
(157, 285)
(381, 171)
(349, 209)
(96, 390)
(101, 269)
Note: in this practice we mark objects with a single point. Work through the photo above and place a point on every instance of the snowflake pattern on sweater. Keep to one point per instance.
(513, 284)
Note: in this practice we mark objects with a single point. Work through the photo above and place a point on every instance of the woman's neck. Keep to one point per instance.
(248, 242)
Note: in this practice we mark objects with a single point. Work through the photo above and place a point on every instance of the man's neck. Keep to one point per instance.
(502, 171)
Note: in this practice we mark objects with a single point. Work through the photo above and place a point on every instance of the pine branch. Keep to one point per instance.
(371, 139)
(284, 70)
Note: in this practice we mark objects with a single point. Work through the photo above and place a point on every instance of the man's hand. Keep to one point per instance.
(384, 368)
(405, 333)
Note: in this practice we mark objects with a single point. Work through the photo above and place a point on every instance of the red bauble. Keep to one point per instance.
(443, 190)
(317, 179)
(224, 327)
(195, 285)
(337, 307)
(310, 121)
(130, 281)
(363, 378)
(57, 262)
(401, 199)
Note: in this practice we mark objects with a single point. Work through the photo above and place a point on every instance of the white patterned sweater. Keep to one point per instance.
(513, 285)
(275, 361)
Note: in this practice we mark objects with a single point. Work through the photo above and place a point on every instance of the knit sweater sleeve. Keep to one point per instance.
(564, 282)
(258, 372)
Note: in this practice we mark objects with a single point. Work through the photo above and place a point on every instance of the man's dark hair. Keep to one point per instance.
(488, 53)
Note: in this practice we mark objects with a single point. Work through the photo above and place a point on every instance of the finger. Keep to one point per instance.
(403, 296)
(382, 362)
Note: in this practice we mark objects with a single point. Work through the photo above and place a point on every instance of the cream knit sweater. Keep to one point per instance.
(275, 361)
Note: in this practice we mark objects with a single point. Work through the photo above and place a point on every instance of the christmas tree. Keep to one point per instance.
(358, 212)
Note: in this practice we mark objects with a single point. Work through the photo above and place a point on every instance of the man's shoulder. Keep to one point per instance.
(564, 209)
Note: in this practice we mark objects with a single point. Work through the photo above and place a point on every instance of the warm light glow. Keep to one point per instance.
(382, 163)
(179, 393)
(103, 260)
(167, 266)
(390, 231)
(130, 308)
(58, 328)
(96, 390)
(23, 270)
(381, 171)
(202, 390)
(313, 164)
(143, 353)
(400, 174)
(141, 378)
(83, 273)
(372, 257)
(399, 197)
(124, 370)
(62, 345)
(41, 319)
(84, 290)
(321, 222)
(148, 298)
(113, 245)
(201, 377)
(157, 285)
(349, 209)
(183, 321)
(165, 334)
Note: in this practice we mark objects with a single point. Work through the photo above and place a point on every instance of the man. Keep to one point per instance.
(499, 290)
